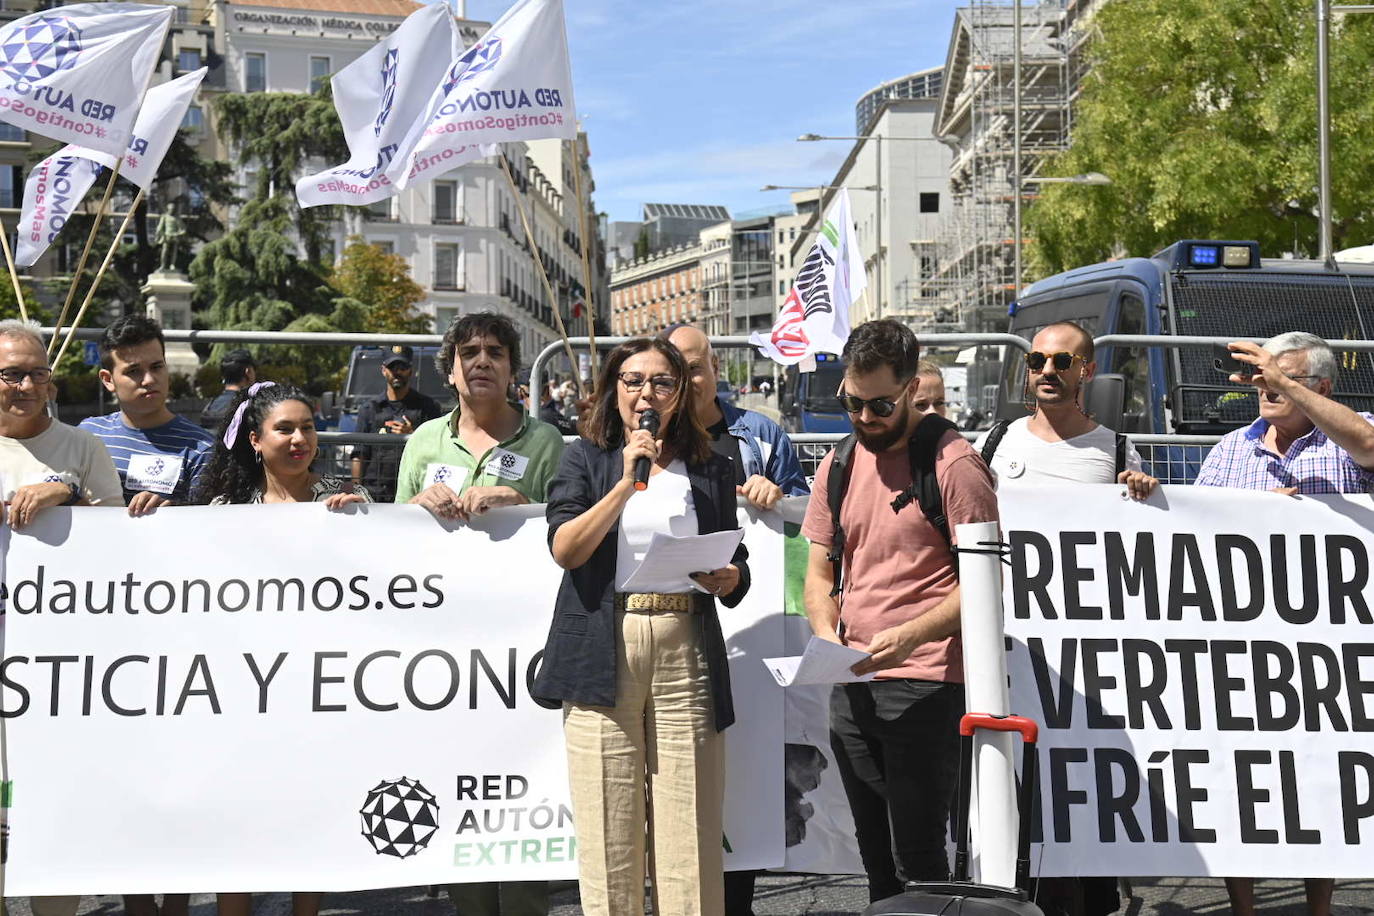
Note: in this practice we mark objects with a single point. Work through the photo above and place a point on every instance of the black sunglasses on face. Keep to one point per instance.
(881, 407)
(1061, 360)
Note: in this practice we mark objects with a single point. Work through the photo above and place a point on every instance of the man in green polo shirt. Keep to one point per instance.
(488, 452)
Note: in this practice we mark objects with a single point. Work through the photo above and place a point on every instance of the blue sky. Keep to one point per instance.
(701, 102)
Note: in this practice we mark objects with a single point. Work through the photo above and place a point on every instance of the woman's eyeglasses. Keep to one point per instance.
(662, 385)
(15, 377)
(1061, 361)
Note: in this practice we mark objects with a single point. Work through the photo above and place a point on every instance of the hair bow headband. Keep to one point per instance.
(231, 433)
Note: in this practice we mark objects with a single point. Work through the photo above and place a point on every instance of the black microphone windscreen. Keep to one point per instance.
(649, 420)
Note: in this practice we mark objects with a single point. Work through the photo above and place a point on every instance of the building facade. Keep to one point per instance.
(462, 233)
(897, 177)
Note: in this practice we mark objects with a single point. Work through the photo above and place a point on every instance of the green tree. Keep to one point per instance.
(252, 277)
(380, 281)
(1203, 114)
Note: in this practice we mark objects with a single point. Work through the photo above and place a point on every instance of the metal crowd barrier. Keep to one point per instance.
(931, 341)
(1173, 459)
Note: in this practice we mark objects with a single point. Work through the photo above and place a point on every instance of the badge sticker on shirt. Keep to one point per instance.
(450, 475)
(158, 473)
(1016, 467)
(507, 465)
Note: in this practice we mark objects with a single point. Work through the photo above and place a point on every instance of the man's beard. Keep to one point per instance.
(397, 383)
(881, 442)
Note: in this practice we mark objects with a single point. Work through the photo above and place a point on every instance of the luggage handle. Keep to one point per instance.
(981, 721)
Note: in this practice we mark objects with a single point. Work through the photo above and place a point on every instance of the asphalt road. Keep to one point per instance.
(793, 895)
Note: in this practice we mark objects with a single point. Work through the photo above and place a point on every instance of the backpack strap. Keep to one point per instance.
(1120, 453)
(994, 439)
(925, 486)
(835, 487)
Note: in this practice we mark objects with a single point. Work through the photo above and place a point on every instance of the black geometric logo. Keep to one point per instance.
(400, 817)
(508, 461)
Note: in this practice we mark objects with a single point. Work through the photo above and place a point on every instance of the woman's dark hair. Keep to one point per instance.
(233, 471)
(478, 324)
(883, 342)
(685, 437)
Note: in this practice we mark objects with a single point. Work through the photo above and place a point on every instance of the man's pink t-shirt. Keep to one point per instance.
(897, 565)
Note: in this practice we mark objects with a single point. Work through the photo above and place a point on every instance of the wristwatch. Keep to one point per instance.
(74, 496)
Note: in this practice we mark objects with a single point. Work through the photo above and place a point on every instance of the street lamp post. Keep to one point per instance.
(1324, 11)
(882, 236)
(1091, 179)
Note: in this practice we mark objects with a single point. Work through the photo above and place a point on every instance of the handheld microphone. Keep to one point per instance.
(647, 420)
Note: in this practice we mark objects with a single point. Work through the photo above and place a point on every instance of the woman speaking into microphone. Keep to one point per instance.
(642, 677)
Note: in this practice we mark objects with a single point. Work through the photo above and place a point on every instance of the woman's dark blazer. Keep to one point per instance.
(579, 663)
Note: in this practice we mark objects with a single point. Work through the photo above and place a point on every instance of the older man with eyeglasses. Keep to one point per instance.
(44, 463)
(1303, 442)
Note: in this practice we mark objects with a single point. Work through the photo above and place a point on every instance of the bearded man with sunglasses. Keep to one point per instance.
(894, 738)
(1059, 443)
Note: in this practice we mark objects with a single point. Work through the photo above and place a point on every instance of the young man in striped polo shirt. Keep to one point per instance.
(157, 453)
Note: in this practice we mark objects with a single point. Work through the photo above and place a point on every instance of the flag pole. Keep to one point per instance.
(99, 275)
(85, 253)
(14, 276)
(539, 263)
(585, 233)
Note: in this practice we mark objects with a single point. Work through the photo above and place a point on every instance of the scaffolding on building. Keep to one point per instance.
(967, 276)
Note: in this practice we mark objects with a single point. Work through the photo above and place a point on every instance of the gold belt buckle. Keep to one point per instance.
(653, 602)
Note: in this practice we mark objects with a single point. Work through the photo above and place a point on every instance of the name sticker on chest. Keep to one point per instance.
(507, 465)
(158, 473)
(449, 475)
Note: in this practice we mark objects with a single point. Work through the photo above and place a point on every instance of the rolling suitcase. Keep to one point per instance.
(961, 896)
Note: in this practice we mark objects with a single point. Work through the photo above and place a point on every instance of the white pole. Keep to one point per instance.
(985, 690)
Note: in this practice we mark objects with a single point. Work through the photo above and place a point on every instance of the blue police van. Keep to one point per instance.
(806, 400)
(1194, 288)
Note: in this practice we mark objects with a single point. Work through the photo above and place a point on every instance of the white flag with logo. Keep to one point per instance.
(815, 314)
(51, 194)
(159, 119)
(379, 97)
(78, 73)
(514, 84)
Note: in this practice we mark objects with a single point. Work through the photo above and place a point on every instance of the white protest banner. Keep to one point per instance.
(514, 84)
(52, 192)
(379, 98)
(294, 706)
(815, 314)
(78, 73)
(1202, 669)
(159, 119)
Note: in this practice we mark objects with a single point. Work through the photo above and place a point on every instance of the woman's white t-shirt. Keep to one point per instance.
(665, 506)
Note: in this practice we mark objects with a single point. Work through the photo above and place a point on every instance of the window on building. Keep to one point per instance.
(782, 287)
(194, 119)
(382, 210)
(188, 59)
(11, 186)
(11, 134)
(329, 251)
(255, 72)
(385, 246)
(445, 201)
(930, 202)
(445, 266)
(444, 319)
(319, 73)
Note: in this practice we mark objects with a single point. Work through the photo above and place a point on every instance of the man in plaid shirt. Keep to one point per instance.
(1303, 442)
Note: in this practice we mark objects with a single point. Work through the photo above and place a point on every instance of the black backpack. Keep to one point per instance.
(924, 487)
(999, 429)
